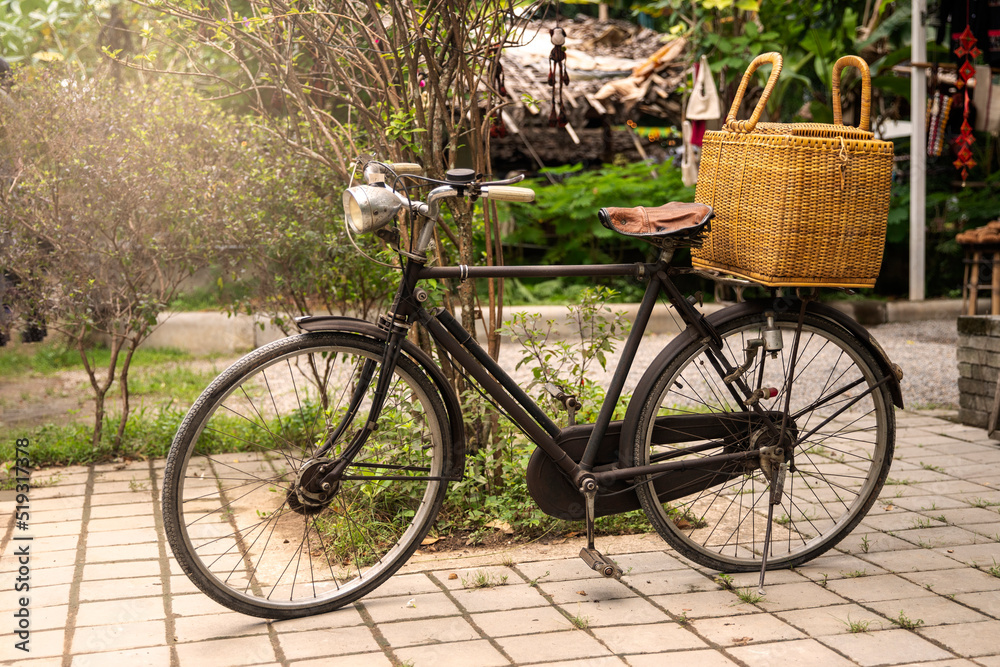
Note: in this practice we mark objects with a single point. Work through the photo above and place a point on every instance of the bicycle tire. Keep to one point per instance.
(835, 473)
(233, 522)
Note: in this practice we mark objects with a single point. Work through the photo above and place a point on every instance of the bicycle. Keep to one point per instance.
(310, 470)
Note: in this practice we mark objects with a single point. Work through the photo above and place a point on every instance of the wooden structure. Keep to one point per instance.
(982, 266)
(618, 72)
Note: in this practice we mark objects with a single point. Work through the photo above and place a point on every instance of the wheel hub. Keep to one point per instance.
(307, 496)
(774, 450)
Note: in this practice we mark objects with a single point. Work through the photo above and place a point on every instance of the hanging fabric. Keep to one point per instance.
(690, 158)
(557, 76)
(704, 101)
(986, 97)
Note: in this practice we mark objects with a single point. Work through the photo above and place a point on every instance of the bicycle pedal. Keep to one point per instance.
(600, 563)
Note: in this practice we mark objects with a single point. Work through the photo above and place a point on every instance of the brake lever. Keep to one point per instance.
(506, 181)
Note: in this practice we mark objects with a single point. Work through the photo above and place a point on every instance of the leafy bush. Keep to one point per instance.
(116, 191)
(288, 250)
(564, 218)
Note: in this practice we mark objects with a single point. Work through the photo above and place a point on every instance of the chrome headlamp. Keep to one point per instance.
(369, 207)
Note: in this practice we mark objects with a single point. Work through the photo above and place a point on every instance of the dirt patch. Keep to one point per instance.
(32, 399)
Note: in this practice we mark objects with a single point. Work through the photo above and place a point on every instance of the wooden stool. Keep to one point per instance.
(982, 268)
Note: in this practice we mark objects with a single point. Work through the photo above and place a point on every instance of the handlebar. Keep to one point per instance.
(508, 193)
(461, 182)
(374, 205)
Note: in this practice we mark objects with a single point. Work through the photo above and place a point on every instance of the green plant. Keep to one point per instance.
(994, 569)
(905, 622)
(129, 212)
(856, 626)
(580, 622)
(483, 579)
(856, 574)
(563, 220)
(534, 582)
(865, 544)
(928, 466)
(568, 363)
(749, 595)
(683, 618)
(725, 581)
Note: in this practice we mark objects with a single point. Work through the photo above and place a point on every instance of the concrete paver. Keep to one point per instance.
(102, 594)
(887, 647)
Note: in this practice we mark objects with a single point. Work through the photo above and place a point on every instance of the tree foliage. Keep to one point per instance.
(810, 35)
(110, 196)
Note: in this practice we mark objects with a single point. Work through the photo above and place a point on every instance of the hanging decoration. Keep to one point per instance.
(498, 129)
(967, 50)
(557, 76)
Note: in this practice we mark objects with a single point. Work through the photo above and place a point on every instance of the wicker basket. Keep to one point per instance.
(796, 204)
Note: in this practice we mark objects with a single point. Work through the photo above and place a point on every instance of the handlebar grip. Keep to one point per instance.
(402, 168)
(509, 193)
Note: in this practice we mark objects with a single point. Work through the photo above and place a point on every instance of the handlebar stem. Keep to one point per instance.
(431, 209)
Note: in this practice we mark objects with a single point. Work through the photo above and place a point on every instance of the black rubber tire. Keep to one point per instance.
(229, 518)
(834, 476)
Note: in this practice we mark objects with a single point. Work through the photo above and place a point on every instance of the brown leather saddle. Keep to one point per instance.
(674, 223)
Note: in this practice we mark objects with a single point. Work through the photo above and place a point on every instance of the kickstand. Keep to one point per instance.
(777, 487)
(591, 556)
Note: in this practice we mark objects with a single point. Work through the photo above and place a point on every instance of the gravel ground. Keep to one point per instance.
(924, 350)
(926, 353)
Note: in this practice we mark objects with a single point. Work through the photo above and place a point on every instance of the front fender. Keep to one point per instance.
(343, 324)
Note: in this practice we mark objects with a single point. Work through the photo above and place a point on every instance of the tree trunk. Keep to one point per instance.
(123, 379)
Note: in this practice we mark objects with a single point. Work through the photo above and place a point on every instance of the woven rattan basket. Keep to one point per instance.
(796, 204)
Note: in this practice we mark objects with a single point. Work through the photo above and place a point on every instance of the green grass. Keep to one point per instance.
(483, 579)
(148, 434)
(49, 358)
(748, 595)
(856, 626)
(179, 382)
(906, 622)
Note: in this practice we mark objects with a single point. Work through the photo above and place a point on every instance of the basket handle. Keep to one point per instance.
(748, 125)
(866, 90)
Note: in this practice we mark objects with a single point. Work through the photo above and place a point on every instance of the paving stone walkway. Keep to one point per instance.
(917, 583)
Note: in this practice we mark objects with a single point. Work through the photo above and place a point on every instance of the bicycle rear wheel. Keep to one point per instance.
(843, 429)
(231, 512)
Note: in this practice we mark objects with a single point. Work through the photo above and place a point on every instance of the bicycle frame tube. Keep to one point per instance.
(498, 384)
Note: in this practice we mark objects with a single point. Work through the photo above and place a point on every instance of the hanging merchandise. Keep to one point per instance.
(498, 129)
(704, 101)
(691, 157)
(981, 18)
(968, 50)
(986, 97)
(938, 112)
(557, 76)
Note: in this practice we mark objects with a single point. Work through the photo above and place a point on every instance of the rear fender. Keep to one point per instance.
(364, 328)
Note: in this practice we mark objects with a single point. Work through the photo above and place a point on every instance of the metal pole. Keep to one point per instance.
(918, 151)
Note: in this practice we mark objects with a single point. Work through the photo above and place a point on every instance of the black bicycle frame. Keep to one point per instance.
(460, 344)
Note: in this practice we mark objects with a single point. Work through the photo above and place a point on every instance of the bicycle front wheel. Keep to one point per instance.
(231, 512)
(842, 432)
